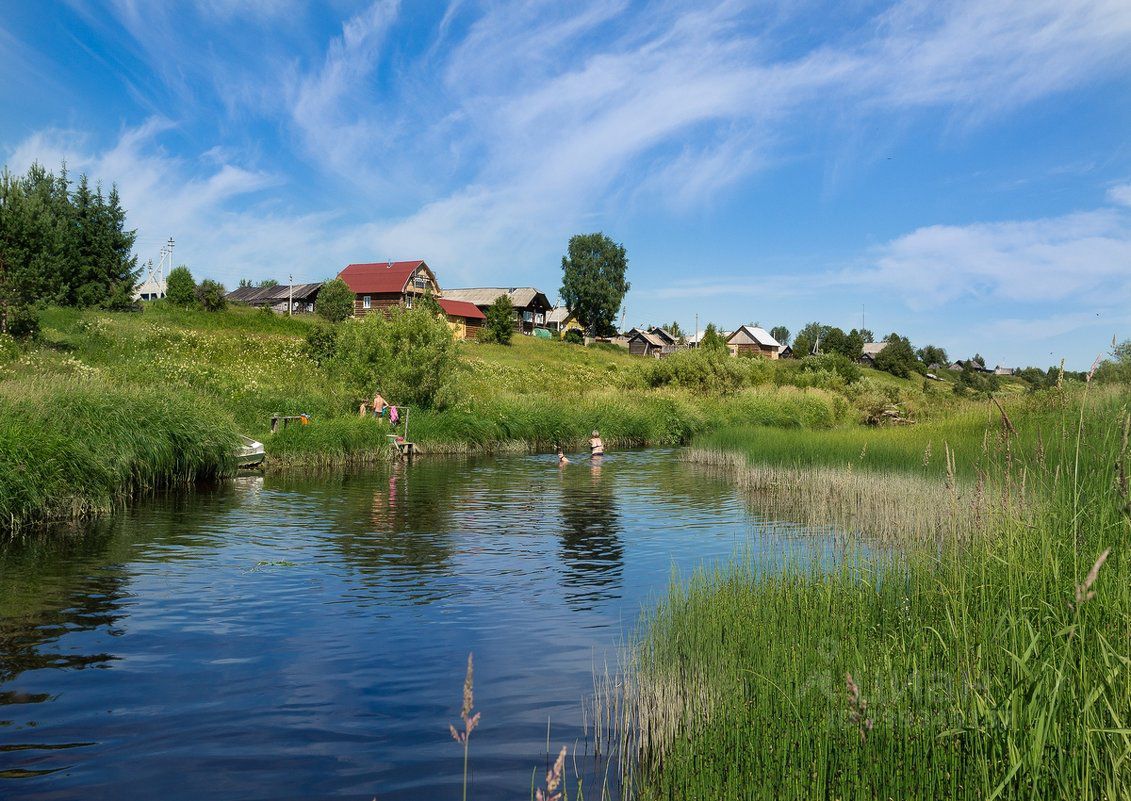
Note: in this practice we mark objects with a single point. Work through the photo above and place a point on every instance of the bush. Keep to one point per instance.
(409, 355)
(832, 363)
(898, 358)
(322, 343)
(180, 288)
(500, 322)
(574, 337)
(211, 295)
(335, 301)
(707, 371)
(23, 322)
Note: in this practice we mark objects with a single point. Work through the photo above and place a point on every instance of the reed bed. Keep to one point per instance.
(73, 448)
(991, 664)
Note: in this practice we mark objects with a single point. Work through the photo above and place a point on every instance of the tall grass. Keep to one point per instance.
(992, 664)
(71, 448)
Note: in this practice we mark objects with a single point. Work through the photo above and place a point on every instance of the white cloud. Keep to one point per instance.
(1120, 194)
(1080, 257)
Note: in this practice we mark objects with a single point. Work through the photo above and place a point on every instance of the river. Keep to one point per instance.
(289, 637)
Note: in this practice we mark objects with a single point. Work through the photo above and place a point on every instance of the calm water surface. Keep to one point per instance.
(281, 638)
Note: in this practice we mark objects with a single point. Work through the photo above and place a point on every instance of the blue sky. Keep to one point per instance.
(962, 171)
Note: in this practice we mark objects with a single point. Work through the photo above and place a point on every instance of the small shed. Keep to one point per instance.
(644, 343)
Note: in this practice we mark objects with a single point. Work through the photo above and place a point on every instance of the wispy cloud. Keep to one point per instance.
(1120, 194)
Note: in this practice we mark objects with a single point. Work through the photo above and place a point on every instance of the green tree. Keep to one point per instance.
(268, 282)
(898, 358)
(712, 340)
(573, 337)
(781, 334)
(593, 281)
(180, 288)
(408, 355)
(335, 301)
(809, 339)
(500, 321)
(211, 295)
(1117, 368)
(675, 329)
(932, 354)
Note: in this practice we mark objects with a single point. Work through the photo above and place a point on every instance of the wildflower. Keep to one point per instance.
(1084, 592)
(470, 721)
(553, 780)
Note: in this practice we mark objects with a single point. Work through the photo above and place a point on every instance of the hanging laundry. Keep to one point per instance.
(393, 415)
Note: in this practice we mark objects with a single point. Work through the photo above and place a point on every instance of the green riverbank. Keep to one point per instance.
(975, 655)
(105, 405)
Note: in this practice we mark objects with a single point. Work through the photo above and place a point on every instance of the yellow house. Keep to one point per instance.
(561, 320)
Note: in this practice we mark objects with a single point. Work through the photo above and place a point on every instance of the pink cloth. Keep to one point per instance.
(393, 415)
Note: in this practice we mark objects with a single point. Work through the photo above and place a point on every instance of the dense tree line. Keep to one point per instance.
(61, 244)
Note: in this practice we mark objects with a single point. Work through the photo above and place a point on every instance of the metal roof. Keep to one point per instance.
(461, 308)
(520, 296)
(759, 335)
(382, 277)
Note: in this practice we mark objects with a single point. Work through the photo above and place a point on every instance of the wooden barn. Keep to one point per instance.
(752, 340)
(465, 318)
(870, 351)
(645, 343)
(298, 298)
(382, 285)
(530, 305)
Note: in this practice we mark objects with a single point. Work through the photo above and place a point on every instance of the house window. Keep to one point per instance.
(408, 302)
(419, 282)
(365, 302)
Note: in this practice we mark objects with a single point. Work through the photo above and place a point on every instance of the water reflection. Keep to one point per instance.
(306, 637)
(591, 550)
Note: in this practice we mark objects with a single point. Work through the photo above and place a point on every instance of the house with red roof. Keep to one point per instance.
(384, 285)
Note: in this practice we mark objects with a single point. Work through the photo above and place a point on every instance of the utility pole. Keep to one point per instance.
(696, 329)
(291, 295)
(861, 316)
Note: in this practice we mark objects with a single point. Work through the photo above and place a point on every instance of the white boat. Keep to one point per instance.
(250, 453)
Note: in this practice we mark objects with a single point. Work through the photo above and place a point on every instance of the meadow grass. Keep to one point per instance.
(991, 664)
(70, 448)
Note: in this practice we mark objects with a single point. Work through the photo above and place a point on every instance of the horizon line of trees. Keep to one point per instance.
(63, 244)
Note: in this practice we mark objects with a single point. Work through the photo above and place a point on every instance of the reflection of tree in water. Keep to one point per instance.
(591, 543)
(399, 519)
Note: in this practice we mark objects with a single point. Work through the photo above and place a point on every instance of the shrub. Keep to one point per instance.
(708, 371)
(23, 322)
(833, 363)
(211, 295)
(500, 321)
(409, 355)
(574, 337)
(180, 288)
(898, 358)
(322, 343)
(334, 301)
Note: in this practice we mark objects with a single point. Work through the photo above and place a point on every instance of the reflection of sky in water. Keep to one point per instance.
(298, 638)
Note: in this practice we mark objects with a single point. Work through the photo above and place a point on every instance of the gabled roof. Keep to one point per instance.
(759, 335)
(662, 333)
(382, 277)
(561, 314)
(521, 296)
(872, 348)
(461, 308)
(648, 337)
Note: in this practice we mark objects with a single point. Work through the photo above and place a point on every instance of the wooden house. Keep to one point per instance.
(382, 285)
(297, 298)
(870, 351)
(645, 343)
(752, 340)
(786, 352)
(465, 318)
(530, 305)
(662, 334)
(561, 319)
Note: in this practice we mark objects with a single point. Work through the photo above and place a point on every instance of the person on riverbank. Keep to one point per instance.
(596, 446)
(378, 406)
(562, 460)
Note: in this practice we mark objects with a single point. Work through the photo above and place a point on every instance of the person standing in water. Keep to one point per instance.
(596, 446)
(562, 460)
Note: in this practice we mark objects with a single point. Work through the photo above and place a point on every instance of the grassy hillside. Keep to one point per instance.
(106, 404)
